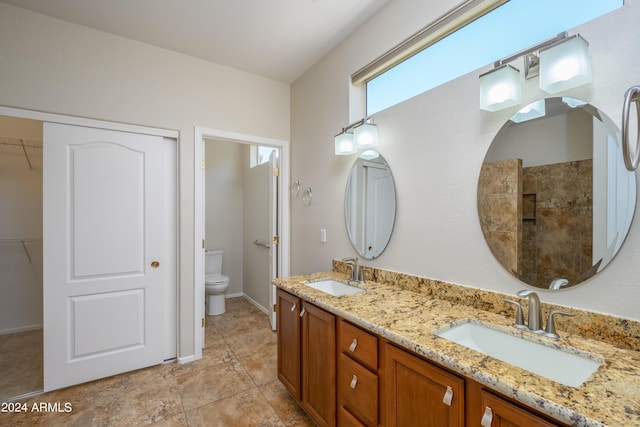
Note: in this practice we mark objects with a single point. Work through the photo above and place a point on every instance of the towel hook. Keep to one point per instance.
(631, 95)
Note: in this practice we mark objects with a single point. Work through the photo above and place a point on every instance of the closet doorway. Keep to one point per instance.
(21, 359)
(26, 221)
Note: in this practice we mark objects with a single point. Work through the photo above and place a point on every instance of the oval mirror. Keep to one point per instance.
(555, 200)
(370, 204)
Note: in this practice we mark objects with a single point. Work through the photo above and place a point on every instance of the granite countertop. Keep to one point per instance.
(609, 397)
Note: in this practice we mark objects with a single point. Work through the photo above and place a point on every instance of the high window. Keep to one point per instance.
(507, 29)
(260, 154)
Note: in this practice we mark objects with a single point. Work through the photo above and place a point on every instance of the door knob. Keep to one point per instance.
(155, 264)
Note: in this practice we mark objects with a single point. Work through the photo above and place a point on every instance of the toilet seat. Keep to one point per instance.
(215, 279)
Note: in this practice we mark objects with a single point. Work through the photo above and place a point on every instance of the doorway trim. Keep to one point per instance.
(200, 133)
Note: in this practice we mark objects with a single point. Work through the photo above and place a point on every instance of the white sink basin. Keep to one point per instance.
(570, 367)
(333, 287)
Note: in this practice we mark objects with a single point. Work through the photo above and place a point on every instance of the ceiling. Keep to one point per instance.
(277, 39)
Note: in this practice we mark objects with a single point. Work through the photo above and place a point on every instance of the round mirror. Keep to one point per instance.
(555, 200)
(370, 204)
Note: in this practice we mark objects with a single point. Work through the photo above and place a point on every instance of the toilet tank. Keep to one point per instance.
(213, 261)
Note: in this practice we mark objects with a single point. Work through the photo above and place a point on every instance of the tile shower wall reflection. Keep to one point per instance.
(557, 229)
(534, 218)
(500, 210)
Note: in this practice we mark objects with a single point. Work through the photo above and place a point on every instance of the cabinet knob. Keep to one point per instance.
(448, 396)
(293, 307)
(354, 382)
(487, 418)
(303, 311)
(353, 345)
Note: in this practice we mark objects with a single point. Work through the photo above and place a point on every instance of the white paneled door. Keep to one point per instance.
(109, 252)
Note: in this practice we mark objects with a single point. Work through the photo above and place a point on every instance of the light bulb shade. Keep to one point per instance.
(500, 88)
(344, 144)
(369, 155)
(532, 111)
(565, 65)
(365, 136)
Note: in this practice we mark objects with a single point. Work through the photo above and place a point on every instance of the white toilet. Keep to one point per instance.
(215, 284)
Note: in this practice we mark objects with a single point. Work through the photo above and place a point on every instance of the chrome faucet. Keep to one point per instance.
(535, 315)
(535, 310)
(356, 273)
(558, 283)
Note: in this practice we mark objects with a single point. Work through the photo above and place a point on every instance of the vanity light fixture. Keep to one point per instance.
(565, 65)
(562, 62)
(361, 135)
(344, 144)
(500, 88)
(366, 134)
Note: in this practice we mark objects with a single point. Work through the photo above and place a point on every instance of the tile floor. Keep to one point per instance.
(234, 384)
(20, 363)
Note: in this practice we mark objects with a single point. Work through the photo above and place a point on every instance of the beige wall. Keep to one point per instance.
(435, 144)
(58, 67)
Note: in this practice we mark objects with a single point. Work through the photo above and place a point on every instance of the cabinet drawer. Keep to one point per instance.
(358, 390)
(346, 419)
(358, 344)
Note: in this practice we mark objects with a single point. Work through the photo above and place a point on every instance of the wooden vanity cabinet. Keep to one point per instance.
(418, 393)
(307, 356)
(357, 376)
(377, 382)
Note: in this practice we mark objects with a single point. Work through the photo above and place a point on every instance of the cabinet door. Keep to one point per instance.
(419, 393)
(501, 413)
(319, 364)
(289, 342)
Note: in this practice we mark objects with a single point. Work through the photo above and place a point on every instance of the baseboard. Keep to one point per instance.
(239, 294)
(20, 329)
(186, 359)
(254, 302)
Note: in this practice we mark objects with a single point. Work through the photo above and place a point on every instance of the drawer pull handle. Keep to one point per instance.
(354, 382)
(293, 307)
(487, 417)
(448, 396)
(304, 309)
(353, 345)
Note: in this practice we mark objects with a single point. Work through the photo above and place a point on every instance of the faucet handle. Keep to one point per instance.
(519, 316)
(550, 329)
